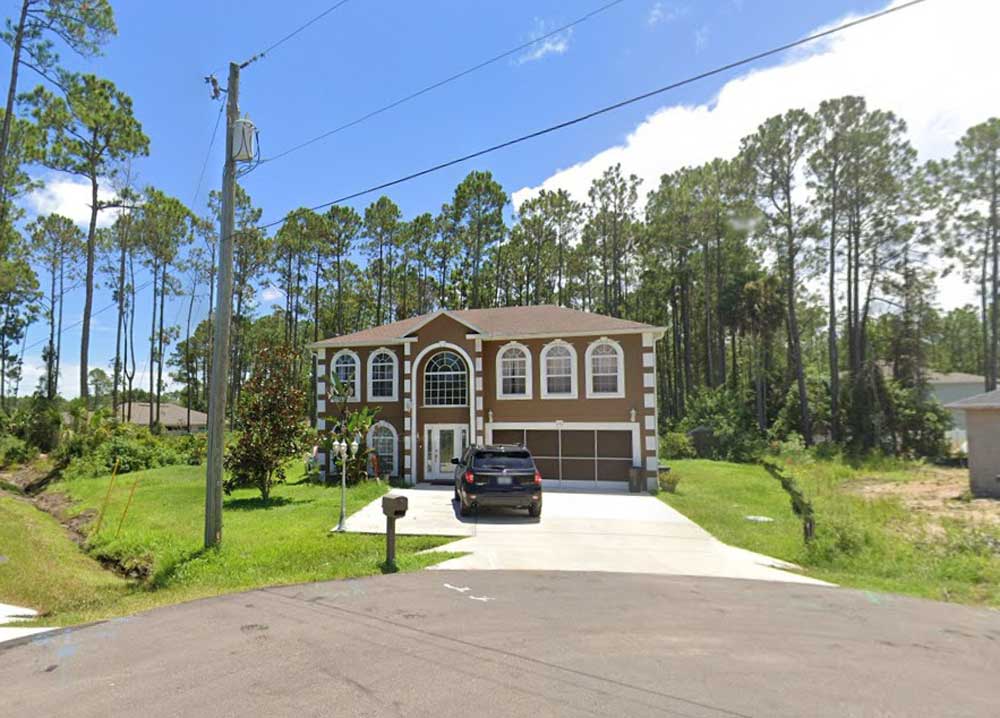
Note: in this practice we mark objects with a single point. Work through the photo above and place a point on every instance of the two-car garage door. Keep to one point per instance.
(575, 454)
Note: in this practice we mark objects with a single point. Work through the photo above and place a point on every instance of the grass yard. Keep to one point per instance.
(285, 541)
(871, 542)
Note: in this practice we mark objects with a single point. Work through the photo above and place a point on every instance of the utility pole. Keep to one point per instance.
(223, 316)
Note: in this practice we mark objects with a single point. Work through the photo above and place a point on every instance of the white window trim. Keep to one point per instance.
(395, 443)
(469, 391)
(356, 398)
(529, 369)
(395, 375)
(574, 371)
(589, 370)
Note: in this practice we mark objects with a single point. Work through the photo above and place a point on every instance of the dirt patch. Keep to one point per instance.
(58, 505)
(937, 494)
(28, 480)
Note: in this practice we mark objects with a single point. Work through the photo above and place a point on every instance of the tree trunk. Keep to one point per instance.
(88, 300)
(8, 115)
(152, 343)
(832, 335)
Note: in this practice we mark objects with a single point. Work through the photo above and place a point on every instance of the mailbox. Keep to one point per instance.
(394, 506)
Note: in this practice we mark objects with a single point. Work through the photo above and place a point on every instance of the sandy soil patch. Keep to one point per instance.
(937, 493)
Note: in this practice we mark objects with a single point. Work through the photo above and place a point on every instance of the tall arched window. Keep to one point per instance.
(605, 370)
(514, 372)
(446, 381)
(558, 371)
(382, 372)
(384, 443)
(346, 367)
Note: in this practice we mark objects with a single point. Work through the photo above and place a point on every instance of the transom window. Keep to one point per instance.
(345, 368)
(604, 370)
(558, 365)
(382, 441)
(514, 372)
(446, 381)
(382, 375)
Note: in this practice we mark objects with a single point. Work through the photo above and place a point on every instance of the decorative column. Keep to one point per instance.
(409, 445)
(321, 375)
(477, 435)
(651, 439)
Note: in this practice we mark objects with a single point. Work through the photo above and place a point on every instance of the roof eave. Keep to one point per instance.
(658, 333)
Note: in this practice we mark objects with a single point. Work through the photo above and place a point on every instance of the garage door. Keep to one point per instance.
(575, 454)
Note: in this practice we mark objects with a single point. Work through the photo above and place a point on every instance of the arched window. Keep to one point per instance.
(384, 442)
(346, 367)
(605, 370)
(446, 381)
(382, 365)
(514, 372)
(558, 371)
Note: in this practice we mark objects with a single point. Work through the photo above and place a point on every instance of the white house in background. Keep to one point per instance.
(982, 418)
(950, 387)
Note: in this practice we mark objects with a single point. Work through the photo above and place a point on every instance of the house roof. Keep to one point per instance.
(954, 377)
(989, 400)
(499, 323)
(172, 416)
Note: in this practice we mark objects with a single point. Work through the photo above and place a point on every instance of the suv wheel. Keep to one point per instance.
(535, 511)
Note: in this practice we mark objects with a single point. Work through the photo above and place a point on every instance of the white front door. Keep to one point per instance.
(442, 443)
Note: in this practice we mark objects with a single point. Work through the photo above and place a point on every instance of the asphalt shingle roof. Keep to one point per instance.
(499, 322)
(989, 400)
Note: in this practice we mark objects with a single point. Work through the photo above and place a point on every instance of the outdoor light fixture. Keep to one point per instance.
(341, 449)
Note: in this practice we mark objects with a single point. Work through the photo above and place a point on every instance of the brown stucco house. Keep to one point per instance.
(982, 419)
(578, 389)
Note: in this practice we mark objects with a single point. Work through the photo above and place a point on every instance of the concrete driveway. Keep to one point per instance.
(578, 531)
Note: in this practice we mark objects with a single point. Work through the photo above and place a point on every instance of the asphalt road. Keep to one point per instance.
(520, 644)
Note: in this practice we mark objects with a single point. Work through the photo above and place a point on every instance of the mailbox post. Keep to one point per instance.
(394, 507)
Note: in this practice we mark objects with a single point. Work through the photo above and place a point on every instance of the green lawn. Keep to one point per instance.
(285, 541)
(866, 543)
(45, 570)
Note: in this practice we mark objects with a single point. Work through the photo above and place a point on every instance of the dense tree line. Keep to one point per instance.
(793, 279)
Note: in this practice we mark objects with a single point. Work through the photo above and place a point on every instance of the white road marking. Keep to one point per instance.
(484, 599)
(460, 589)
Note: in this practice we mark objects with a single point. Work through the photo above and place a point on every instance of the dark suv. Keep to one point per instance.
(502, 475)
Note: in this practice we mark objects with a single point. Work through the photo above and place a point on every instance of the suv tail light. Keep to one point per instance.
(538, 477)
(469, 476)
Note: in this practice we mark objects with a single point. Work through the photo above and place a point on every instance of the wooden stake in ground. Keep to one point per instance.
(107, 498)
(128, 503)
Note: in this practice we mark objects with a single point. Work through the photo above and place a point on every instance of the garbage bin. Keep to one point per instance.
(636, 480)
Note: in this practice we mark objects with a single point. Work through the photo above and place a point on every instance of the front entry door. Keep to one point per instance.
(443, 442)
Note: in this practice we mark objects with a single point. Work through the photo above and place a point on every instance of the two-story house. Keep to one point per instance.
(578, 389)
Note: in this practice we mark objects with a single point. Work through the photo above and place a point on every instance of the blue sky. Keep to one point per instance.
(368, 53)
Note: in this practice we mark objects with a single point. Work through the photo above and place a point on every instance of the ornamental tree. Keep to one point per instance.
(271, 429)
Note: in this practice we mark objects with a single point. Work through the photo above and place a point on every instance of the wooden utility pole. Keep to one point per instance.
(220, 340)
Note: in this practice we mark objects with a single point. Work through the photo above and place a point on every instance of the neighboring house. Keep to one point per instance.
(953, 386)
(173, 417)
(982, 418)
(578, 389)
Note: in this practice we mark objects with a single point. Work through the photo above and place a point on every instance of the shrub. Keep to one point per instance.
(728, 415)
(15, 451)
(38, 423)
(676, 445)
(193, 448)
(271, 428)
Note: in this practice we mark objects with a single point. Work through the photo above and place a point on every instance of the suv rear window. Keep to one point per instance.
(497, 460)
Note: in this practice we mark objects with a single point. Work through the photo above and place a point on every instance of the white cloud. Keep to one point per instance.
(933, 65)
(701, 38)
(558, 44)
(70, 197)
(271, 294)
(662, 12)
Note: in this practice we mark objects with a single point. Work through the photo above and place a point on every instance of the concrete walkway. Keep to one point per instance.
(578, 531)
(10, 614)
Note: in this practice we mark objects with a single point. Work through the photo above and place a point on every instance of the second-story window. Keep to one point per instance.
(605, 370)
(446, 381)
(346, 369)
(382, 376)
(514, 372)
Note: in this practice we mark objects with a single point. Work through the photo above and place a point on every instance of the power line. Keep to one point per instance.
(208, 155)
(445, 81)
(608, 108)
(74, 325)
(294, 32)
